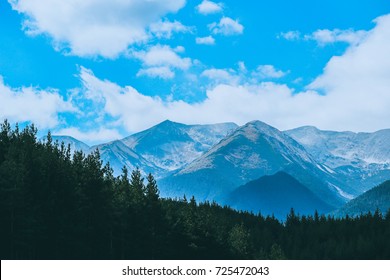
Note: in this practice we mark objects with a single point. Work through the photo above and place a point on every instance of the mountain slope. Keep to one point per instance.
(370, 201)
(276, 194)
(171, 145)
(360, 159)
(75, 145)
(253, 150)
(119, 155)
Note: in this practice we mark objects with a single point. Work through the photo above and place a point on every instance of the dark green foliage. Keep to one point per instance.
(57, 206)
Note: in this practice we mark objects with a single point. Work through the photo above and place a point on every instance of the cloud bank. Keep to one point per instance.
(29, 104)
(96, 27)
(325, 36)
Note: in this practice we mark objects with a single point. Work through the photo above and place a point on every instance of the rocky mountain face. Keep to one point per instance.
(171, 145)
(362, 160)
(75, 145)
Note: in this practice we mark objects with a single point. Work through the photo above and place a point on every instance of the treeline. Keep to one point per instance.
(59, 205)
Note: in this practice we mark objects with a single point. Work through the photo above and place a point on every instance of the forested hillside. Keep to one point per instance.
(55, 204)
(378, 198)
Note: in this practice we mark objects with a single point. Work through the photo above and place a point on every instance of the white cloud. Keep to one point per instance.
(209, 40)
(99, 135)
(142, 110)
(290, 35)
(162, 55)
(160, 61)
(221, 75)
(326, 36)
(227, 26)
(165, 28)
(93, 27)
(179, 49)
(209, 7)
(28, 104)
(242, 75)
(242, 67)
(268, 71)
(357, 83)
(162, 72)
(270, 102)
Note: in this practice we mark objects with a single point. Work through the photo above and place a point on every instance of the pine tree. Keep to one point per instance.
(154, 218)
(137, 187)
(151, 191)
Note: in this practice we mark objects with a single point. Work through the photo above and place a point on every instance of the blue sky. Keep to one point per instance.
(100, 70)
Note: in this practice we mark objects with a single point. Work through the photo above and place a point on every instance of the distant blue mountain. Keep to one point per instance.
(276, 195)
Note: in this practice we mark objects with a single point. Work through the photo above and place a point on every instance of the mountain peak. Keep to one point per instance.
(252, 130)
(168, 122)
(257, 123)
(167, 127)
(261, 126)
(170, 145)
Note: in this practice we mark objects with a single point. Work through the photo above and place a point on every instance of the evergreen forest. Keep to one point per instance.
(61, 204)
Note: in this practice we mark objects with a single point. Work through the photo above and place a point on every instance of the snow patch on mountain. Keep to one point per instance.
(342, 193)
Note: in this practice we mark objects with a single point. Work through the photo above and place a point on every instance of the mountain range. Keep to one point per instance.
(237, 165)
(250, 152)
